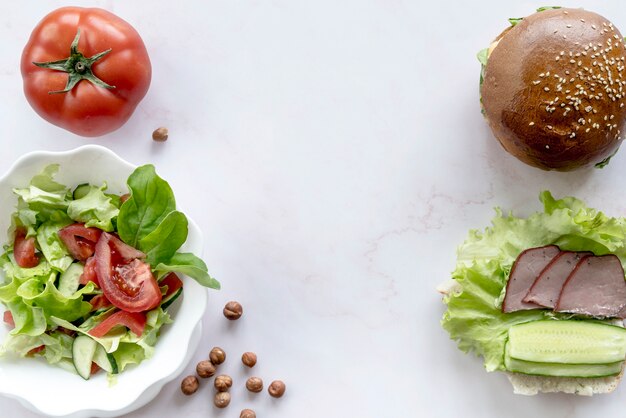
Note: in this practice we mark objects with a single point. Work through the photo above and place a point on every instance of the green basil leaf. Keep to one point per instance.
(190, 265)
(151, 200)
(163, 242)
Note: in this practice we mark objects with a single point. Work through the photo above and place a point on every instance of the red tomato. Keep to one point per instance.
(7, 317)
(36, 350)
(94, 368)
(89, 272)
(135, 321)
(24, 249)
(80, 241)
(125, 280)
(172, 282)
(97, 92)
(99, 302)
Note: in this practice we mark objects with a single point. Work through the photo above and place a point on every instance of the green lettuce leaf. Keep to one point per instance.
(133, 349)
(47, 297)
(515, 20)
(44, 195)
(58, 346)
(94, 209)
(473, 317)
(51, 245)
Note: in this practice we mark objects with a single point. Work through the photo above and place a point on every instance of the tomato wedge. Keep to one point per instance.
(94, 369)
(173, 283)
(80, 241)
(99, 302)
(124, 279)
(24, 249)
(36, 350)
(7, 317)
(89, 272)
(136, 321)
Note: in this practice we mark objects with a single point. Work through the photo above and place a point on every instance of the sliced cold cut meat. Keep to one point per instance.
(547, 288)
(596, 287)
(527, 267)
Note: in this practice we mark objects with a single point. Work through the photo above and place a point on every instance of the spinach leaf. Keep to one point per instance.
(192, 266)
(149, 221)
(151, 200)
(163, 242)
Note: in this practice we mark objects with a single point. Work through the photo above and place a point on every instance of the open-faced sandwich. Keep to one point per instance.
(543, 298)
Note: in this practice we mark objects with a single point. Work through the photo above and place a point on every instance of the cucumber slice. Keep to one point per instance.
(562, 370)
(105, 360)
(571, 342)
(81, 191)
(70, 278)
(167, 301)
(83, 351)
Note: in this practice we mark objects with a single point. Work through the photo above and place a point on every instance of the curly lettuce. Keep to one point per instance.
(473, 317)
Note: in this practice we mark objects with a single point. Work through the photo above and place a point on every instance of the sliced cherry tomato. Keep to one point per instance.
(24, 249)
(135, 321)
(124, 197)
(8, 319)
(100, 302)
(173, 283)
(85, 70)
(80, 241)
(125, 280)
(89, 272)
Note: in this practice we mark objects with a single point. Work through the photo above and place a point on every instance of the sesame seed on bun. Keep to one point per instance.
(554, 89)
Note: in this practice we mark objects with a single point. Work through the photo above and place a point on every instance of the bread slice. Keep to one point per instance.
(524, 384)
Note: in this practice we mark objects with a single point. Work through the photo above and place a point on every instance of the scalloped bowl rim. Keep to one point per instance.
(44, 388)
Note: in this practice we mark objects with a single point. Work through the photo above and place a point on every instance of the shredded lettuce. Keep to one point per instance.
(473, 317)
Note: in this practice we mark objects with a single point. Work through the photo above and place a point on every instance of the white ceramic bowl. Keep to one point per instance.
(52, 391)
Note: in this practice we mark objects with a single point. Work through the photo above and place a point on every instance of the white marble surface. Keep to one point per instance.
(334, 155)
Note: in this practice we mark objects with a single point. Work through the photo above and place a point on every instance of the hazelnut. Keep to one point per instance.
(222, 399)
(217, 356)
(233, 310)
(249, 359)
(254, 384)
(223, 383)
(247, 413)
(205, 369)
(277, 388)
(189, 385)
(160, 134)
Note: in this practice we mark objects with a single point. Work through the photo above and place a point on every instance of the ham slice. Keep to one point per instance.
(527, 267)
(596, 287)
(547, 288)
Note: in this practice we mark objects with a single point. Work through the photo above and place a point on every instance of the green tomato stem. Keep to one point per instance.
(77, 66)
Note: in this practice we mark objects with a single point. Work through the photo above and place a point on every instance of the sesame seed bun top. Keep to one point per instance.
(554, 87)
